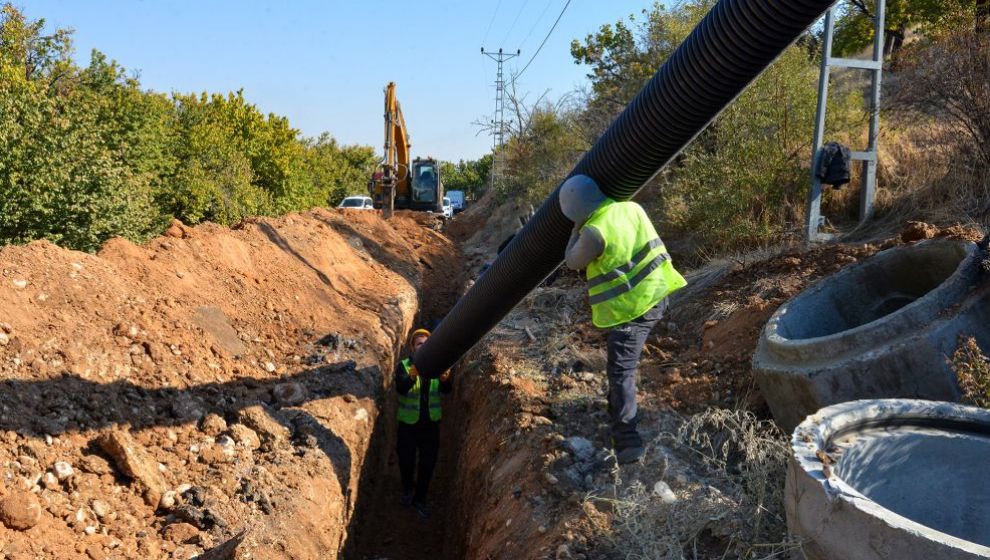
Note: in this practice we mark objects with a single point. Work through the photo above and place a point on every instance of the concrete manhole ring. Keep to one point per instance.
(891, 478)
(877, 329)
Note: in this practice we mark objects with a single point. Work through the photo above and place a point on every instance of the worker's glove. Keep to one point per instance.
(575, 233)
(445, 376)
(413, 372)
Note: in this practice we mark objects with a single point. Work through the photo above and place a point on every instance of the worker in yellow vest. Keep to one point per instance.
(419, 416)
(630, 275)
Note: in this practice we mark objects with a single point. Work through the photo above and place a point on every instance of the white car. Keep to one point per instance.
(357, 202)
(448, 210)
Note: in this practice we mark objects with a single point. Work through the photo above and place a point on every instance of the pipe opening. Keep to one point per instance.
(903, 468)
(872, 291)
(891, 492)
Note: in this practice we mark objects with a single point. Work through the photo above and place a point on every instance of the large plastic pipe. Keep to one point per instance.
(735, 42)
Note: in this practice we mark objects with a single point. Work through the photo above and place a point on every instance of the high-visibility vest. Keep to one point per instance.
(409, 403)
(634, 272)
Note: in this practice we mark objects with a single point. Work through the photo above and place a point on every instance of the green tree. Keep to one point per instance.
(337, 171)
(26, 53)
(140, 127)
(623, 56)
(541, 154)
(742, 181)
(86, 154)
(58, 178)
(472, 176)
(215, 178)
(854, 25)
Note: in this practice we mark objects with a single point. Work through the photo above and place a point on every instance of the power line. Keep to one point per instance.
(544, 41)
(536, 22)
(513, 26)
(492, 20)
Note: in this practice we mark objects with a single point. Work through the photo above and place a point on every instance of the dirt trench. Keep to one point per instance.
(513, 480)
(214, 392)
(381, 529)
(226, 393)
(475, 470)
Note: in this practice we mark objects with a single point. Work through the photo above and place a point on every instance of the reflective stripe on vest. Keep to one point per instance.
(632, 282)
(634, 272)
(408, 412)
(622, 270)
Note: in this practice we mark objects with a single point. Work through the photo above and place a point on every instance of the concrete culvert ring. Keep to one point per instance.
(891, 478)
(880, 328)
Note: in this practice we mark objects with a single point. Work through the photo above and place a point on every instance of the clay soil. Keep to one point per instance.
(224, 393)
(214, 384)
(536, 385)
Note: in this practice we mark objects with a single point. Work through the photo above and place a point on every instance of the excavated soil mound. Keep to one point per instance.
(212, 386)
(534, 478)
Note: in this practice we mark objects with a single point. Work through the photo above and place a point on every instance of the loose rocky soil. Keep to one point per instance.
(161, 400)
(225, 394)
(534, 471)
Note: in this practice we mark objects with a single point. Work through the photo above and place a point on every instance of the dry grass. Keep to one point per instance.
(972, 368)
(751, 455)
(926, 175)
(735, 510)
(934, 144)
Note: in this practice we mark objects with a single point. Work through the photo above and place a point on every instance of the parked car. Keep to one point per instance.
(448, 209)
(357, 202)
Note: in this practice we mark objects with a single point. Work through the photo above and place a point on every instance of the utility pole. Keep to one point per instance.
(498, 122)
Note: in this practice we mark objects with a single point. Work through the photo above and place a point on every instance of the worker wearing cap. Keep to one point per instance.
(630, 275)
(419, 425)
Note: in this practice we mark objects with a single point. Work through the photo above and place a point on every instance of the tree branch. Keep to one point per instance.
(862, 8)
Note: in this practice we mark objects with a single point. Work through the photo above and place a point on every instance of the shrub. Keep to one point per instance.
(86, 154)
(972, 369)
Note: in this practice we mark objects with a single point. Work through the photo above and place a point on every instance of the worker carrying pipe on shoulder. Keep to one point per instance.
(419, 416)
(630, 275)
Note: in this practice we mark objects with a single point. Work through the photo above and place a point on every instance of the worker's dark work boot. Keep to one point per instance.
(406, 499)
(628, 455)
(422, 508)
(627, 443)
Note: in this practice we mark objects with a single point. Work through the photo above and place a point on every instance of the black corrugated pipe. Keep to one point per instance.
(735, 42)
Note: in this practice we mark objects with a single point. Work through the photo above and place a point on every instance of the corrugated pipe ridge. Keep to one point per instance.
(731, 46)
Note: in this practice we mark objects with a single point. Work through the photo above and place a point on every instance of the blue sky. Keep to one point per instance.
(324, 64)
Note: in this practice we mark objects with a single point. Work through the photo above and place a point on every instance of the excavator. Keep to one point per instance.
(398, 183)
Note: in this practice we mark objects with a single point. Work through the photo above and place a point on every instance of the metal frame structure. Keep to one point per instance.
(498, 122)
(869, 156)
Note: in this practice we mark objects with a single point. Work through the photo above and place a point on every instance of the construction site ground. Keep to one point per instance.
(225, 393)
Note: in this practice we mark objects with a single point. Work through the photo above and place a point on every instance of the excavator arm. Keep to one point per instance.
(391, 179)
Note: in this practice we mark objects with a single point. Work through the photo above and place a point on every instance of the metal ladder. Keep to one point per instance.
(869, 156)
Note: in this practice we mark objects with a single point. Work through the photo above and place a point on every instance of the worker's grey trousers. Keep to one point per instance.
(625, 345)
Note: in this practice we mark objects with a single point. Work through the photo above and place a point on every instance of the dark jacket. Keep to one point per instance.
(834, 165)
(404, 383)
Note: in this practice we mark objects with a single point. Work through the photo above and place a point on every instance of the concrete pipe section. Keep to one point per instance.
(891, 478)
(881, 328)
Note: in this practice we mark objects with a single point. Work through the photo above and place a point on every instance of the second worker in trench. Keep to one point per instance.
(419, 416)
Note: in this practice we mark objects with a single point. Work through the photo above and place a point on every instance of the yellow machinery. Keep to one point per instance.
(398, 183)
